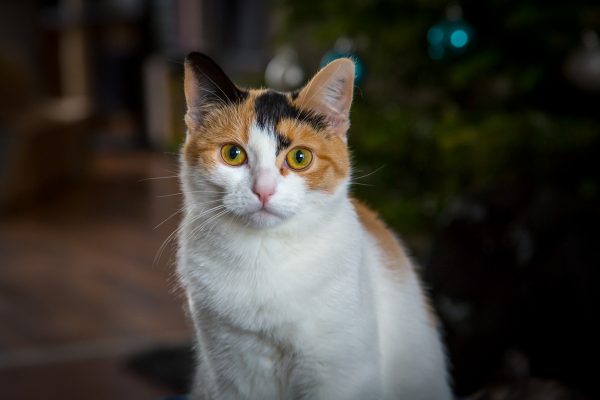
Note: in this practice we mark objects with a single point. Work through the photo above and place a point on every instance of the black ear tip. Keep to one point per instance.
(211, 77)
(194, 57)
(197, 58)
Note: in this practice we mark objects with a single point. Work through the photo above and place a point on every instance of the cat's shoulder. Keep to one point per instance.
(388, 242)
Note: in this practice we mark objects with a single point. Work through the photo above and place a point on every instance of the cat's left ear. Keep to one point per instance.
(206, 87)
(329, 93)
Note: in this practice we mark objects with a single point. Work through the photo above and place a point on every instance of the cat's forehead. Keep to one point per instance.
(271, 107)
(272, 112)
(263, 111)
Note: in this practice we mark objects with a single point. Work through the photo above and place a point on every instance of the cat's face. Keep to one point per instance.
(260, 156)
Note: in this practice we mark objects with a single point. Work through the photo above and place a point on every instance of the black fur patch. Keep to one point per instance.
(271, 107)
(213, 86)
(282, 142)
(213, 82)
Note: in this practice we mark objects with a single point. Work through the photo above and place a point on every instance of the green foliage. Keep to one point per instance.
(425, 132)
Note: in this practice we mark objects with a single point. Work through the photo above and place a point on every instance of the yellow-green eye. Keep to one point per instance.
(299, 158)
(233, 154)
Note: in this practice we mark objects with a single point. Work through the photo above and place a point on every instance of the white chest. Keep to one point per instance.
(275, 281)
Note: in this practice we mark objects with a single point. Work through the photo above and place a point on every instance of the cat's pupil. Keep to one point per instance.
(234, 152)
(299, 156)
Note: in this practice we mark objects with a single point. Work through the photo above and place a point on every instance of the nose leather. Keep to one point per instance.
(264, 186)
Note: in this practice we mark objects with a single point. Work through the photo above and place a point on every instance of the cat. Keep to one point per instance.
(295, 289)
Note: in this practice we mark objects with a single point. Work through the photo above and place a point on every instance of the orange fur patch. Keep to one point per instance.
(432, 316)
(227, 124)
(389, 244)
(331, 162)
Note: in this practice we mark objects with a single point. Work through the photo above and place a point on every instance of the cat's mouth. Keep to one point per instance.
(262, 213)
(265, 216)
(266, 211)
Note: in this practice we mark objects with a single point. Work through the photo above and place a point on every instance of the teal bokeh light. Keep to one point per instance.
(449, 37)
(459, 38)
(435, 35)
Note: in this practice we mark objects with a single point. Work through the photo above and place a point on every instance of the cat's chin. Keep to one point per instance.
(263, 219)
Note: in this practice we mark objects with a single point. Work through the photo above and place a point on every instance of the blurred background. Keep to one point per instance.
(475, 133)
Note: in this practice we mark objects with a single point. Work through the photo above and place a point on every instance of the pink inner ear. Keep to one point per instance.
(336, 122)
(330, 93)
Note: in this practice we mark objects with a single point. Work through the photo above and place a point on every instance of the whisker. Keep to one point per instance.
(168, 218)
(370, 173)
(175, 175)
(181, 209)
(158, 177)
(191, 191)
(214, 221)
(165, 242)
(162, 247)
(214, 218)
(361, 184)
(178, 229)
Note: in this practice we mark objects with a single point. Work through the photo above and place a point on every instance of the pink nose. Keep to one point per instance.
(263, 191)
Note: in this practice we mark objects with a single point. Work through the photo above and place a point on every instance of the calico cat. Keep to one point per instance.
(296, 290)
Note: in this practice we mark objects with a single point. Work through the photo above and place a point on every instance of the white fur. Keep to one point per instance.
(296, 303)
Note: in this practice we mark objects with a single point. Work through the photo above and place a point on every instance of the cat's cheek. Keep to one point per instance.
(235, 183)
(229, 178)
(289, 197)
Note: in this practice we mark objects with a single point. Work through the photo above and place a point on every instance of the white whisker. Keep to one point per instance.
(159, 177)
(189, 192)
(178, 229)
(369, 174)
(168, 218)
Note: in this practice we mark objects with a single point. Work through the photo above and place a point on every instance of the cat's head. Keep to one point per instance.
(261, 156)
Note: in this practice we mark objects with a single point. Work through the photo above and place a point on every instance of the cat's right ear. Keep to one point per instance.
(329, 93)
(206, 87)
